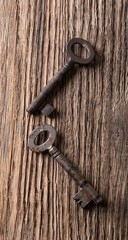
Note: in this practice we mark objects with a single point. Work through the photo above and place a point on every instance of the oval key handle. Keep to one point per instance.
(84, 44)
(47, 144)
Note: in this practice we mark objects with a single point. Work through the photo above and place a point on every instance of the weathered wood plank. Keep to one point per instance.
(36, 194)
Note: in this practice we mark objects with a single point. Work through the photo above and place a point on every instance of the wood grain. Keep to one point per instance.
(91, 119)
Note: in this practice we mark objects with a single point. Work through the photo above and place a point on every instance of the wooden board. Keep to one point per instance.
(91, 119)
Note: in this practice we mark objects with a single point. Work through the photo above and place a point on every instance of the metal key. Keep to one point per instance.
(39, 102)
(87, 193)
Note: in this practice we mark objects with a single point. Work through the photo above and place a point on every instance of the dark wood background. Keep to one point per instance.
(91, 119)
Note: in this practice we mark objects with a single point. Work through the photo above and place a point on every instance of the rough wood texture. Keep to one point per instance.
(92, 120)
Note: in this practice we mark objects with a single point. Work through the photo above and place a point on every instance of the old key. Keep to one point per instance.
(87, 193)
(39, 102)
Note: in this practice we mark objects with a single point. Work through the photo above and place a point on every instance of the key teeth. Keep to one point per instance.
(81, 199)
(81, 204)
(47, 110)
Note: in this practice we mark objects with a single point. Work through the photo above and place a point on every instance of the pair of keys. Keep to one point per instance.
(87, 193)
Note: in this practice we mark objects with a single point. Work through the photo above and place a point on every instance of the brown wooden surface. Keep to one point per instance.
(92, 121)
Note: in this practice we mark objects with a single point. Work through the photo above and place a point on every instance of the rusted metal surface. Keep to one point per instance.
(37, 104)
(47, 144)
(87, 193)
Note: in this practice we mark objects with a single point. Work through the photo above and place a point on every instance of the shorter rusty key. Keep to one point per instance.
(39, 102)
(87, 193)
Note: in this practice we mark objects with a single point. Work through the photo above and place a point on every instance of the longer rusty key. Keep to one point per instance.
(39, 102)
(87, 193)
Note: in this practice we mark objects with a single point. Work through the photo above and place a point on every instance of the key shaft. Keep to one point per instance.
(67, 165)
(56, 79)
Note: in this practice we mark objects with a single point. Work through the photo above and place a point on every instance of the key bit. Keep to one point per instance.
(87, 193)
(38, 102)
(47, 110)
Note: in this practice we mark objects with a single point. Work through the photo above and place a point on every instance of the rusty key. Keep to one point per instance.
(87, 193)
(39, 102)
